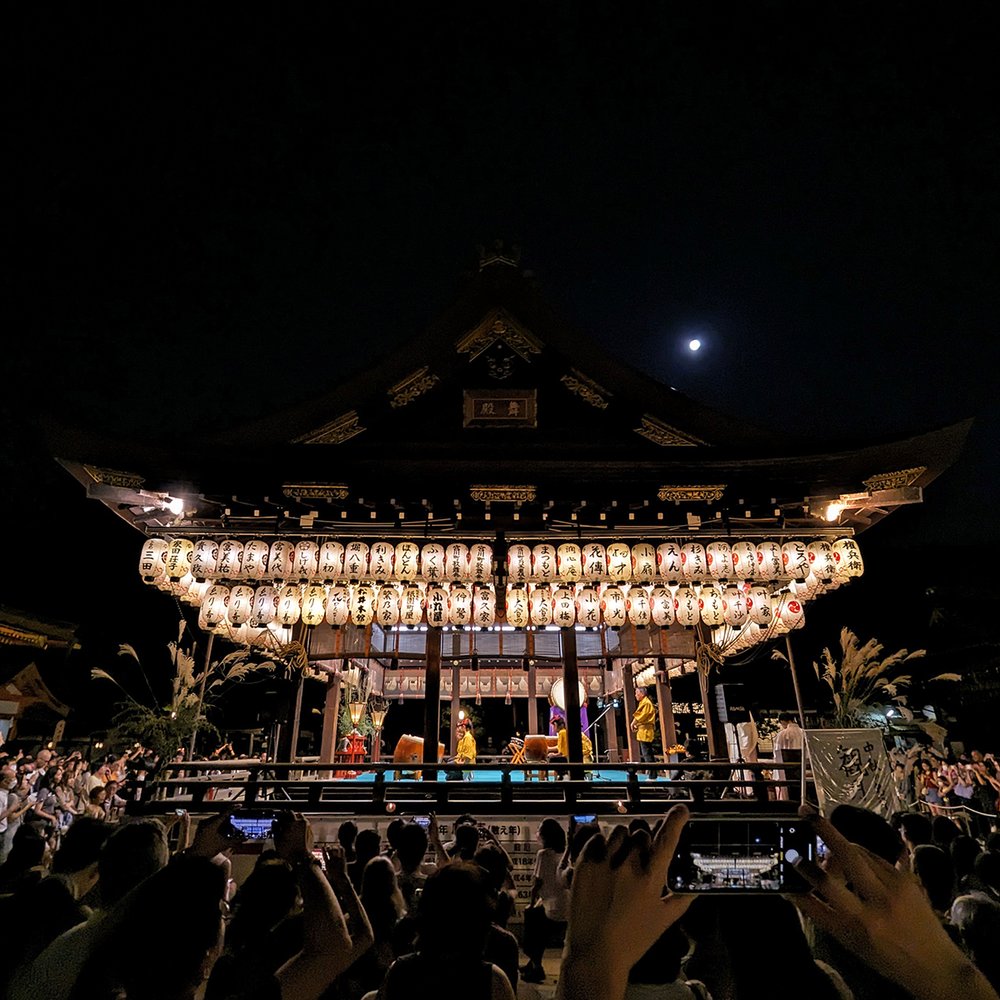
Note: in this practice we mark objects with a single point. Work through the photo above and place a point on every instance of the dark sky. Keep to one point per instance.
(215, 212)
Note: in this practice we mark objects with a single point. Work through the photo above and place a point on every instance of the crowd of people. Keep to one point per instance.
(115, 905)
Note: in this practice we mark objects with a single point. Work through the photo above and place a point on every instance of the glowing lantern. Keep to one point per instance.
(255, 554)
(516, 609)
(569, 562)
(265, 606)
(588, 607)
(735, 609)
(759, 605)
(484, 607)
(480, 562)
(719, 558)
(456, 561)
(432, 562)
(313, 604)
(338, 605)
(807, 589)
(205, 558)
(613, 609)
(847, 556)
(518, 563)
(411, 611)
(769, 566)
(289, 606)
(661, 606)
(215, 604)
(821, 561)
(459, 605)
(407, 561)
(387, 607)
(543, 563)
(196, 592)
(180, 552)
(668, 561)
(595, 561)
(230, 564)
(710, 609)
(619, 562)
(637, 607)
(795, 559)
(694, 561)
(789, 612)
(362, 603)
(306, 561)
(686, 606)
(153, 559)
(240, 604)
(281, 561)
(744, 556)
(643, 562)
(540, 606)
(381, 557)
(437, 606)
(564, 607)
(356, 561)
(330, 562)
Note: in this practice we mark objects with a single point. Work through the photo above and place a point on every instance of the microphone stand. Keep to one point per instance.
(597, 758)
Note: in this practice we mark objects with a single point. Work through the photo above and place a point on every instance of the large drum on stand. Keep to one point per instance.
(410, 750)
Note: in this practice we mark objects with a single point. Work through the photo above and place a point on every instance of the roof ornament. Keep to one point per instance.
(499, 254)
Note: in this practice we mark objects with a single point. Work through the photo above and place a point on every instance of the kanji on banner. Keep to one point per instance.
(851, 766)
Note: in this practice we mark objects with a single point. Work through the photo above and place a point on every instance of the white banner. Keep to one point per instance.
(852, 766)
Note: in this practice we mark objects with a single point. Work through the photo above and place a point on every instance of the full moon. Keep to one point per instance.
(694, 345)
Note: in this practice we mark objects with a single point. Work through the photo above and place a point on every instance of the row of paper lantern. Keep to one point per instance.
(458, 605)
(407, 562)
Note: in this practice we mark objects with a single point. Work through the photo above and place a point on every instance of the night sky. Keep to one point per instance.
(202, 199)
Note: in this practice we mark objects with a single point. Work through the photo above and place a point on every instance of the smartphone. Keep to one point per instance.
(318, 855)
(424, 821)
(253, 825)
(745, 854)
(588, 818)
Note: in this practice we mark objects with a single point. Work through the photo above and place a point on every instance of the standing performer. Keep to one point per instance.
(787, 748)
(644, 726)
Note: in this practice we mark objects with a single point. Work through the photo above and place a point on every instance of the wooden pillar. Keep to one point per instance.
(610, 723)
(432, 700)
(331, 718)
(665, 703)
(456, 697)
(529, 650)
(571, 692)
(628, 693)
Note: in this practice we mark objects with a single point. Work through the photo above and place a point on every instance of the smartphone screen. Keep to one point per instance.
(744, 854)
(588, 818)
(424, 821)
(253, 826)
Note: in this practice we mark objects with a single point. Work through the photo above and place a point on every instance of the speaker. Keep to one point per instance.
(731, 703)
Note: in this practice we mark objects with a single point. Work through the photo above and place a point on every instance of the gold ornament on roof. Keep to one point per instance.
(503, 494)
(336, 432)
(894, 480)
(316, 491)
(414, 385)
(114, 477)
(664, 435)
(706, 493)
(586, 388)
(498, 327)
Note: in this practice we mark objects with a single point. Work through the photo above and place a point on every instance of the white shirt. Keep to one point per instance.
(789, 738)
(554, 891)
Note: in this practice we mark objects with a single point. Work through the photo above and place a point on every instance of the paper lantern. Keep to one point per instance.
(153, 559)
(543, 563)
(643, 562)
(484, 607)
(230, 564)
(289, 606)
(456, 561)
(459, 604)
(719, 559)
(795, 559)
(847, 557)
(769, 566)
(338, 605)
(381, 557)
(789, 612)
(265, 606)
(362, 603)
(437, 606)
(281, 561)
(685, 606)
(613, 609)
(406, 561)
(480, 568)
(205, 559)
(661, 606)
(432, 562)
(735, 609)
(356, 562)
(197, 591)
(330, 561)
(314, 605)
(595, 562)
(668, 561)
(759, 605)
(637, 607)
(588, 607)
(744, 557)
(807, 589)
(518, 563)
(411, 610)
(516, 608)
(306, 561)
(694, 561)
(540, 606)
(569, 562)
(215, 604)
(710, 609)
(180, 553)
(255, 557)
(564, 607)
(387, 607)
(240, 604)
(619, 562)
(821, 561)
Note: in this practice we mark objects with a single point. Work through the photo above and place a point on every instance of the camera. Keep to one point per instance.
(741, 854)
(253, 824)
